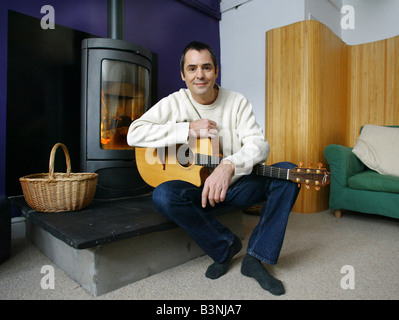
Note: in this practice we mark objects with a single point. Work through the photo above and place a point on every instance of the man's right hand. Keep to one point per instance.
(203, 128)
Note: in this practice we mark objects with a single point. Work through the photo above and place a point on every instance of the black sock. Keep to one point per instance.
(216, 270)
(252, 267)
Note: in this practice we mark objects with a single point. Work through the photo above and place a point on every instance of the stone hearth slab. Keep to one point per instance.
(113, 243)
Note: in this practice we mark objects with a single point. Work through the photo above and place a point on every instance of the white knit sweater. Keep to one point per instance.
(167, 123)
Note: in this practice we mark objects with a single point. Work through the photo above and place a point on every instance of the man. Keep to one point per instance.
(205, 110)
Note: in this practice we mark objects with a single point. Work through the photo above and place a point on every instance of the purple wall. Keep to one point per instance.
(162, 26)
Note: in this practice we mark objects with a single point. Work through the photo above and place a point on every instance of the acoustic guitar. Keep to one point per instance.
(191, 163)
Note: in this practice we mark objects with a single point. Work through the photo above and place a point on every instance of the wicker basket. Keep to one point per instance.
(59, 192)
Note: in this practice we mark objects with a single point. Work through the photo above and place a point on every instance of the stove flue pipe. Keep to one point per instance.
(116, 19)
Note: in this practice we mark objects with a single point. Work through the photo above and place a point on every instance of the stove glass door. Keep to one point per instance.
(125, 93)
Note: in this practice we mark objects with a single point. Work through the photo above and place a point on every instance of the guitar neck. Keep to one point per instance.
(259, 169)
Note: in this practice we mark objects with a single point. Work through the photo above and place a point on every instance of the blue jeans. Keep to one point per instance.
(180, 201)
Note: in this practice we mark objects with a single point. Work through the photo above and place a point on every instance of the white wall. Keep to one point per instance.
(242, 36)
(374, 20)
(327, 12)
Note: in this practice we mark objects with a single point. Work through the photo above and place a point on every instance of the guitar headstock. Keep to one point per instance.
(317, 177)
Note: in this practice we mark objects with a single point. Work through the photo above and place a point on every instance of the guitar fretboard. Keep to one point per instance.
(259, 169)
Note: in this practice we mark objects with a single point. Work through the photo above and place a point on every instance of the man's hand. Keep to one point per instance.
(217, 183)
(203, 128)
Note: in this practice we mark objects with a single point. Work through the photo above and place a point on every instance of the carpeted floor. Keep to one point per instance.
(316, 248)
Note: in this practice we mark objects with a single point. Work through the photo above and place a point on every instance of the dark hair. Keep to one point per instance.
(198, 46)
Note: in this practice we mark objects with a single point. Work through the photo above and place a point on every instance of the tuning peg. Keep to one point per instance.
(319, 165)
(300, 166)
(310, 164)
(307, 186)
(317, 188)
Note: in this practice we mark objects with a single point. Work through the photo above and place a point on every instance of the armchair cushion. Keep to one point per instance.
(373, 181)
(378, 148)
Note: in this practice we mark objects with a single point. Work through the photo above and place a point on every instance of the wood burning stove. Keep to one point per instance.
(117, 80)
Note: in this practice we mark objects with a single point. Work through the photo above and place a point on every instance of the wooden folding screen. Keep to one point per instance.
(320, 91)
(373, 77)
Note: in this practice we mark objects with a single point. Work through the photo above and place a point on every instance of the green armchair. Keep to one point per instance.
(354, 187)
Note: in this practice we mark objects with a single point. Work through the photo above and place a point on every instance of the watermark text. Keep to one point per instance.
(48, 280)
(48, 21)
(348, 280)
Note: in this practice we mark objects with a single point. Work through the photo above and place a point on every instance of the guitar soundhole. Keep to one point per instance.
(185, 157)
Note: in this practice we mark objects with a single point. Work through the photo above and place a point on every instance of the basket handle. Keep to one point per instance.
(52, 157)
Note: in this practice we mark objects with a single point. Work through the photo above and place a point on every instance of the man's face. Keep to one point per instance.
(200, 75)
